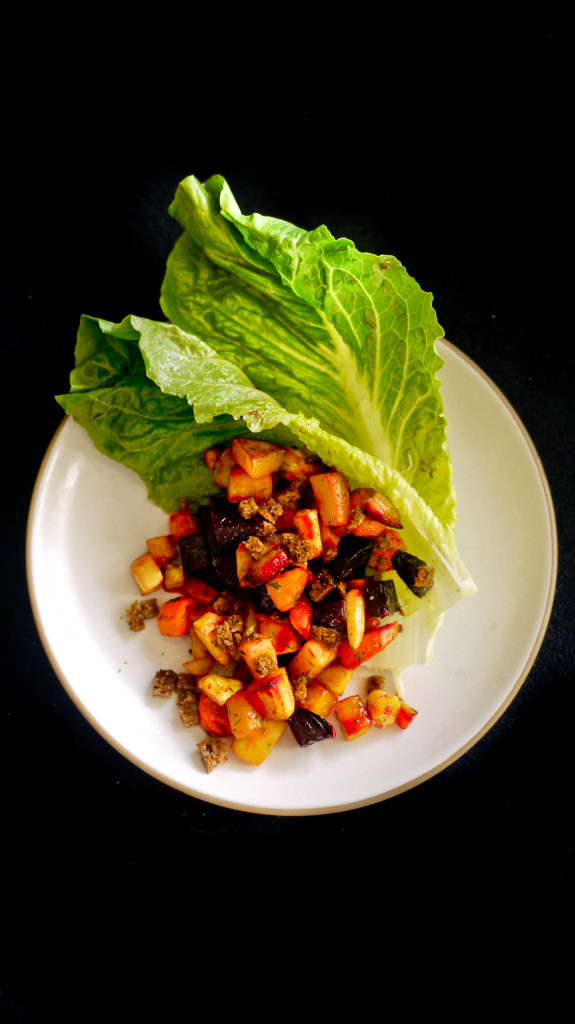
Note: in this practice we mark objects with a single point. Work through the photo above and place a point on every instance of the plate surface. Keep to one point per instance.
(90, 518)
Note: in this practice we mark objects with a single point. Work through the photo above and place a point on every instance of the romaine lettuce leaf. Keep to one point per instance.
(347, 336)
(132, 389)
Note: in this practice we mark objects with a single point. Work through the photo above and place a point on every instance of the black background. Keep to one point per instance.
(462, 174)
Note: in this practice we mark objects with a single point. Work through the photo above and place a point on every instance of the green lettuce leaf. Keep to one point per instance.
(347, 336)
(155, 397)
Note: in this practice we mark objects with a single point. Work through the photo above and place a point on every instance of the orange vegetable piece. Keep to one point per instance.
(174, 617)
(213, 718)
(373, 641)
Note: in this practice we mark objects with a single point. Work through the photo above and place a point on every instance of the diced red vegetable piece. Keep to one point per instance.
(300, 616)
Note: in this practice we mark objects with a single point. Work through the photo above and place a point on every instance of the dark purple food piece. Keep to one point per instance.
(221, 569)
(330, 614)
(195, 555)
(229, 526)
(414, 572)
(353, 555)
(308, 728)
(380, 598)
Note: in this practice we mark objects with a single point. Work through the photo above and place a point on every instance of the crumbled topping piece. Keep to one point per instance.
(298, 550)
(165, 682)
(299, 687)
(187, 682)
(228, 603)
(329, 637)
(263, 665)
(289, 498)
(424, 577)
(255, 547)
(135, 617)
(213, 751)
(356, 517)
(229, 634)
(322, 585)
(248, 508)
(188, 708)
(271, 510)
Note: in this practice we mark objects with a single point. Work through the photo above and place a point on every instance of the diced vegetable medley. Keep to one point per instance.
(284, 585)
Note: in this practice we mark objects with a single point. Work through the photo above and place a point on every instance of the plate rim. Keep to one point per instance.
(371, 800)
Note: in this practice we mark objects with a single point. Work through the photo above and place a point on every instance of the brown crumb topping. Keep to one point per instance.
(139, 611)
(329, 637)
(150, 608)
(227, 603)
(248, 508)
(229, 633)
(264, 665)
(299, 687)
(424, 577)
(290, 497)
(213, 751)
(165, 682)
(357, 517)
(255, 547)
(188, 708)
(135, 617)
(375, 683)
(298, 550)
(271, 510)
(322, 585)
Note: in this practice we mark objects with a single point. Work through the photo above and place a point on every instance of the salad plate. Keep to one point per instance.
(90, 517)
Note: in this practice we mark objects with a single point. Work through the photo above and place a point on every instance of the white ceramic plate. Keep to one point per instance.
(90, 518)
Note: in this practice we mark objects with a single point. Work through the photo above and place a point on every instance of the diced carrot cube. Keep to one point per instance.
(368, 528)
(201, 592)
(213, 718)
(211, 457)
(174, 616)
